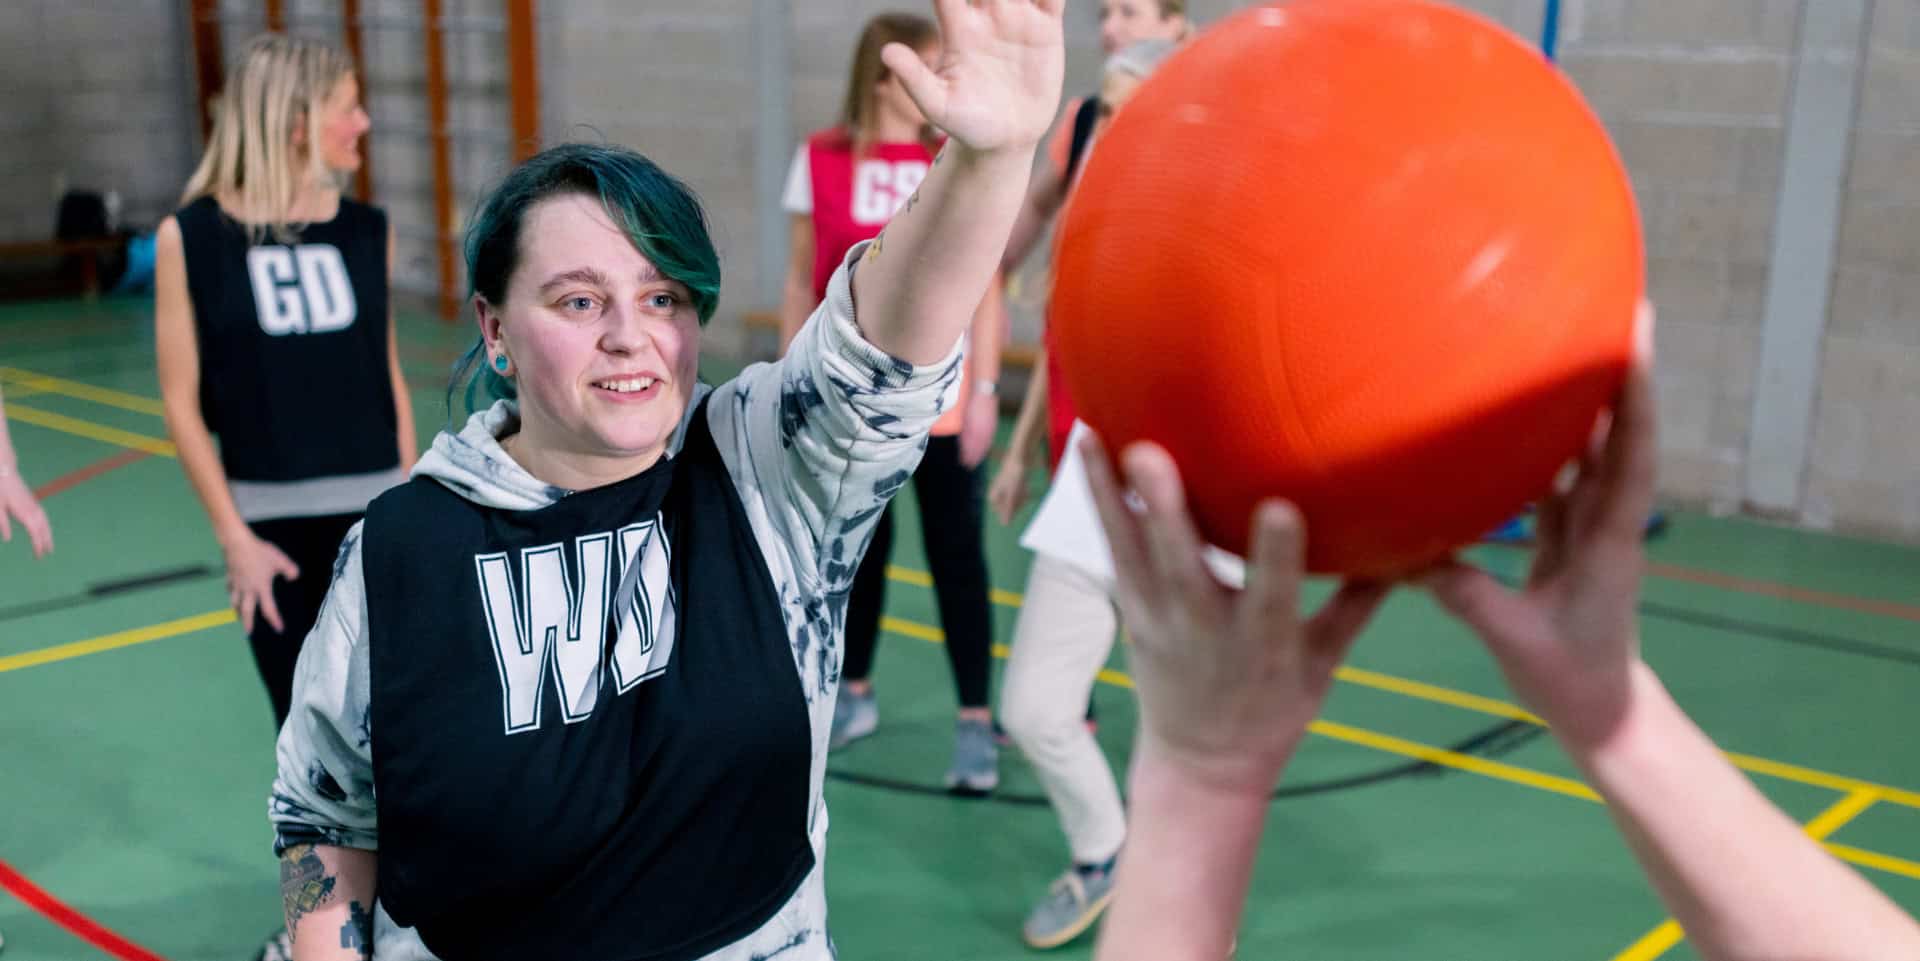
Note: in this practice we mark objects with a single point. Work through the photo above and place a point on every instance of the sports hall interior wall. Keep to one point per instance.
(1696, 92)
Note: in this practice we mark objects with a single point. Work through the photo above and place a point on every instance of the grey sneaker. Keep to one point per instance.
(1075, 901)
(976, 762)
(854, 716)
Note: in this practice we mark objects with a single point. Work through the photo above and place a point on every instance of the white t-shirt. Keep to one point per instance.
(798, 197)
(1067, 525)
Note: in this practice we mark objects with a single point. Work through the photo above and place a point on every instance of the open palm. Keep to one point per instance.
(998, 83)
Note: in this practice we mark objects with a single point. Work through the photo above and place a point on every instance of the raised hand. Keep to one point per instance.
(998, 83)
(1568, 641)
(1228, 679)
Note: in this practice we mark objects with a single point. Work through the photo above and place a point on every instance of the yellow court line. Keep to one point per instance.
(1513, 712)
(1875, 860)
(1663, 938)
(1859, 793)
(1454, 759)
(73, 388)
(1329, 729)
(1654, 943)
(907, 575)
(927, 632)
(108, 642)
(1794, 772)
(16, 391)
(1836, 817)
(89, 430)
(1847, 809)
(1436, 694)
(913, 629)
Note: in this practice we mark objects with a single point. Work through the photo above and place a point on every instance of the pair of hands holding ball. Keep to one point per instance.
(1229, 679)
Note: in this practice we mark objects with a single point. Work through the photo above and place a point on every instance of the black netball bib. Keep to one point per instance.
(295, 376)
(589, 739)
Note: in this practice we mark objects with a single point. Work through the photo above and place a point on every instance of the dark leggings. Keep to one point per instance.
(952, 507)
(311, 543)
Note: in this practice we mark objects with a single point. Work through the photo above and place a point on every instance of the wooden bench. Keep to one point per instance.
(88, 251)
(1012, 356)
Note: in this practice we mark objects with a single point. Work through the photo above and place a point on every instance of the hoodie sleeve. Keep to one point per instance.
(819, 441)
(323, 791)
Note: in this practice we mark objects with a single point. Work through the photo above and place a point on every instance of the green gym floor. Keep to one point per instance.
(1426, 818)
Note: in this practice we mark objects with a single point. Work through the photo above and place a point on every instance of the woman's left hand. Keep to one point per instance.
(1228, 679)
(998, 84)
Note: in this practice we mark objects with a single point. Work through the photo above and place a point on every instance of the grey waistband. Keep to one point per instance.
(317, 497)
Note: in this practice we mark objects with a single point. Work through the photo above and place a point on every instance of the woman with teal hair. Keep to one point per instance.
(586, 659)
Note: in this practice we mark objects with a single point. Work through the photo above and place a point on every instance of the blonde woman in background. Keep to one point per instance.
(273, 332)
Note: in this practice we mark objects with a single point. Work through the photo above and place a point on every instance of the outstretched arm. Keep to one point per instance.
(1742, 878)
(994, 95)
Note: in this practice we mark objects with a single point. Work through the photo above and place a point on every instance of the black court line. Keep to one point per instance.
(1788, 635)
(1768, 632)
(1496, 741)
(96, 593)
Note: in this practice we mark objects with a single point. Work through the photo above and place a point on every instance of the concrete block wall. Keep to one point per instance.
(1694, 91)
(84, 108)
(398, 149)
(1864, 474)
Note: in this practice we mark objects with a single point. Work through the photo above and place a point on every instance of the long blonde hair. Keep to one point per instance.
(279, 82)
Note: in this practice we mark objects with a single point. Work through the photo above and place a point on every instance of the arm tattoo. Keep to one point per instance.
(357, 933)
(873, 249)
(305, 884)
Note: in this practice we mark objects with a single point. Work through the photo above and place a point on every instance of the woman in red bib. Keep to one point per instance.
(846, 182)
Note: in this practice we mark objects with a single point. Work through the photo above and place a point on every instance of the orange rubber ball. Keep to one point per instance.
(1376, 257)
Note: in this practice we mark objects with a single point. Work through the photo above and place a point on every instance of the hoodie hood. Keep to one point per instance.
(473, 465)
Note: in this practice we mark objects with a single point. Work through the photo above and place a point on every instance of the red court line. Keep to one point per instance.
(67, 482)
(1785, 592)
(79, 925)
(1907, 612)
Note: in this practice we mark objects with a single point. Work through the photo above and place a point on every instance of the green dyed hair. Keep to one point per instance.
(660, 214)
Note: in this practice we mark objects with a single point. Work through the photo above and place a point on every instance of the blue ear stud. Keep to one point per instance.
(500, 364)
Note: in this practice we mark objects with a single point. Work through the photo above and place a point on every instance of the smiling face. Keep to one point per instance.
(604, 349)
(342, 123)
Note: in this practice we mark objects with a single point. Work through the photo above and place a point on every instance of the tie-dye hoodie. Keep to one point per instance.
(816, 444)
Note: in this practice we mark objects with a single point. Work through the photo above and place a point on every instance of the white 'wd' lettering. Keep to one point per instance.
(552, 621)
